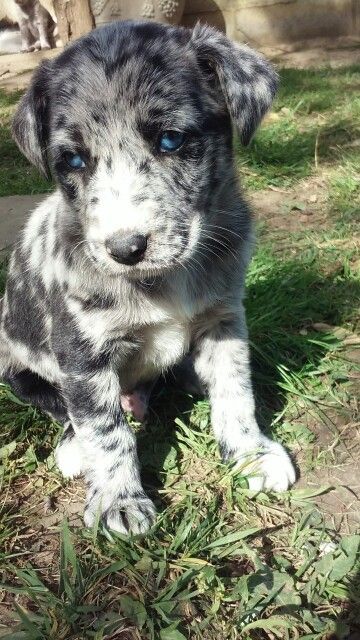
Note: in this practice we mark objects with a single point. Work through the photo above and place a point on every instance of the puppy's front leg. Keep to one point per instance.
(222, 363)
(109, 446)
(41, 22)
(26, 36)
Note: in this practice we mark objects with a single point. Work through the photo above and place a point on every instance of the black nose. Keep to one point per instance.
(127, 249)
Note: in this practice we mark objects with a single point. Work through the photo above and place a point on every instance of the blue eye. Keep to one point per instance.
(75, 160)
(171, 140)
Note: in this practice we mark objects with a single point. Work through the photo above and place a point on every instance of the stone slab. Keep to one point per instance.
(14, 211)
(16, 69)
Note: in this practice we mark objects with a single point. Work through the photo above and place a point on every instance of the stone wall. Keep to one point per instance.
(271, 22)
(262, 23)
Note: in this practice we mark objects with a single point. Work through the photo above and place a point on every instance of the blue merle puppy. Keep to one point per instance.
(138, 259)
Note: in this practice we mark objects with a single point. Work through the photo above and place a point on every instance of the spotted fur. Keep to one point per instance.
(80, 333)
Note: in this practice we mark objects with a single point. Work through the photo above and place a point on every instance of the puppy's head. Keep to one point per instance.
(135, 123)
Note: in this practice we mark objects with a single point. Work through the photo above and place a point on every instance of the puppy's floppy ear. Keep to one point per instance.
(247, 80)
(30, 126)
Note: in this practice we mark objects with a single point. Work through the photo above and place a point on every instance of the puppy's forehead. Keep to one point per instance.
(145, 67)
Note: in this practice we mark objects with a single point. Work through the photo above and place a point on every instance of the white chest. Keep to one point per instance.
(165, 344)
(153, 334)
(163, 339)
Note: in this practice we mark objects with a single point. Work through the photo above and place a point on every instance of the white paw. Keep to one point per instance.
(127, 515)
(69, 455)
(267, 467)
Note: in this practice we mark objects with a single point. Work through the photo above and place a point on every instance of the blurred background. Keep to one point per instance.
(291, 32)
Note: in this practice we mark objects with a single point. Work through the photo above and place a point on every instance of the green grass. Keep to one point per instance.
(17, 176)
(221, 562)
(317, 118)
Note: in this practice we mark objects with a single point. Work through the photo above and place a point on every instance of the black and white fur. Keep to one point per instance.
(81, 333)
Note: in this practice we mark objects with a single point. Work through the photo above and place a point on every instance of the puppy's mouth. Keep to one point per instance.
(149, 266)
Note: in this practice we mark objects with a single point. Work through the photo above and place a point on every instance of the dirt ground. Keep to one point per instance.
(303, 206)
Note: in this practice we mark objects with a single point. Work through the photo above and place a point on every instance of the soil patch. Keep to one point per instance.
(296, 209)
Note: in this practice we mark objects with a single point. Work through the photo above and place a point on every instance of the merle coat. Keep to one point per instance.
(138, 259)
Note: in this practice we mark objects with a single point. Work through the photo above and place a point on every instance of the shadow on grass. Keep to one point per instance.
(18, 177)
(348, 625)
(283, 302)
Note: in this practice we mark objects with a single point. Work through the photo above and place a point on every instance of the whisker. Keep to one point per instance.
(76, 246)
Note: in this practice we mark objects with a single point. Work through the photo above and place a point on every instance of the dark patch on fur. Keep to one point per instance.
(25, 316)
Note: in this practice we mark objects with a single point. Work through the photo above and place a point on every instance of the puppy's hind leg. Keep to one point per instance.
(31, 388)
(69, 455)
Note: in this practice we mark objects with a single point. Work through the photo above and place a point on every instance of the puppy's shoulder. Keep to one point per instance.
(40, 219)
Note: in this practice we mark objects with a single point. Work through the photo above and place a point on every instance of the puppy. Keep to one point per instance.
(36, 25)
(138, 259)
